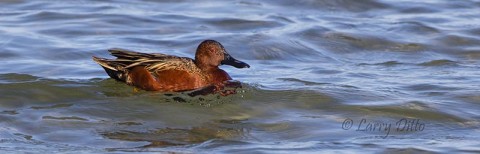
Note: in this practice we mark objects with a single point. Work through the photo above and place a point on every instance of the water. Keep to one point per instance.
(333, 76)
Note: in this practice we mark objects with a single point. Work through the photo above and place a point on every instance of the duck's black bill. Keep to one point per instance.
(229, 60)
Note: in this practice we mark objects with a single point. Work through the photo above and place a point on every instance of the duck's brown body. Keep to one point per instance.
(160, 72)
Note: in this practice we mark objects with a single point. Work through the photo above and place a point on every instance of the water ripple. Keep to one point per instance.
(314, 64)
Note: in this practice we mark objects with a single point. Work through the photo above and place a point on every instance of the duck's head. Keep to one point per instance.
(211, 54)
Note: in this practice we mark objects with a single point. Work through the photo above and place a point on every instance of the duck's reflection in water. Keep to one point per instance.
(165, 137)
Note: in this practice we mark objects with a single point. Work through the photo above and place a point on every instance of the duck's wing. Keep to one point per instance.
(153, 62)
(173, 63)
(156, 67)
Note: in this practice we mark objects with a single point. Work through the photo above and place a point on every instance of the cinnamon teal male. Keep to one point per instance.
(167, 73)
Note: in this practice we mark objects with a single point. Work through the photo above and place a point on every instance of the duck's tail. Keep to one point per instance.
(113, 68)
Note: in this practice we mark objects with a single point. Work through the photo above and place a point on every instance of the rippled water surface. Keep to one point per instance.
(388, 76)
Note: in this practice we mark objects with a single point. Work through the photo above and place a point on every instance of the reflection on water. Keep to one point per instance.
(316, 64)
(175, 136)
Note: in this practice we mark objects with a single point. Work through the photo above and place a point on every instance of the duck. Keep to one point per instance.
(169, 73)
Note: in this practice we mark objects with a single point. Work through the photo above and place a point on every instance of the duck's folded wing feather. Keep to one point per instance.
(177, 63)
(132, 55)
(153, 62)
(116, 65)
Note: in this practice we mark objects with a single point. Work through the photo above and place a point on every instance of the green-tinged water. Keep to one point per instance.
(326, 76)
